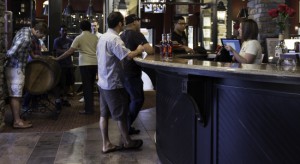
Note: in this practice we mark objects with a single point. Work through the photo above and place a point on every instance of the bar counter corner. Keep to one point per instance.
(220, 113)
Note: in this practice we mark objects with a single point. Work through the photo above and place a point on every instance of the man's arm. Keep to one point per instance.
(69, 52)
(188, 49)
(148, 48)
(33, 56)
(136, 52)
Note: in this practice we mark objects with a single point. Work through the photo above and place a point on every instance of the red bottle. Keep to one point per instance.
(170, 47)
(163, 46)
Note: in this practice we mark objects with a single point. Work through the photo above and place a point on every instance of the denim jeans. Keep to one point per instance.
(134, 87)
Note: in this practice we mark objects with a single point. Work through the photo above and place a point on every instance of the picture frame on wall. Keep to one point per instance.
(206, 33)
(207, 21)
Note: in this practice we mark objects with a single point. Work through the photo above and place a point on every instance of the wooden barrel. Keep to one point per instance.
(41, 75)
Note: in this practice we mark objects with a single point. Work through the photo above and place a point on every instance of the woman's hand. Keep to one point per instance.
(228, 48)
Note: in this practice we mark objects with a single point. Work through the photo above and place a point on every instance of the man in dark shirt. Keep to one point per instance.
(179, 35)
(133, 83)
(60, 46)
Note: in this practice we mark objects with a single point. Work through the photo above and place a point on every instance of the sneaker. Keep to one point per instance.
(25, 109)
(133, 131)
(85, 112)
(81, 100)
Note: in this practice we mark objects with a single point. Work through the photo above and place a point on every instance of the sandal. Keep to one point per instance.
(22, 125)
(115, 148)
(134, 144)
(27, 122)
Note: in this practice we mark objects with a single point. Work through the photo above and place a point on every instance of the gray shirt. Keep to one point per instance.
(110, 51)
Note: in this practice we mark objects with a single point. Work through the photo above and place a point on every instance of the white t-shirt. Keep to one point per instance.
(252, 47)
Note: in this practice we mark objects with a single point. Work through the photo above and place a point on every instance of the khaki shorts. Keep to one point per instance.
(15, 79)
(114, 103)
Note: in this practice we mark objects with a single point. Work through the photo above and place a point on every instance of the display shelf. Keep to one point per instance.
(200, 17)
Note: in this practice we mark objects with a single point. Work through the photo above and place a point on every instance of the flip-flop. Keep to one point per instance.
(116, 148)
(21, 125)
(135, 144)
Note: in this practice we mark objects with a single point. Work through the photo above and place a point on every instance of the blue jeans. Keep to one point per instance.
(134, 87)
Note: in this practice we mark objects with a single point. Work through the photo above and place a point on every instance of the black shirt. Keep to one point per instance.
(63, 44)
(132, 40)
(181, 40)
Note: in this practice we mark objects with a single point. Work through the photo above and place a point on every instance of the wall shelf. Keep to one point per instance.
(200, 31)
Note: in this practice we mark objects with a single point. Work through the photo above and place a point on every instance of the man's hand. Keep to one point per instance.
(188, 50)
(52, 57)
(140, 49)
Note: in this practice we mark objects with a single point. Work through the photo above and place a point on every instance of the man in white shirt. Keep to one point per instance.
(95, 28)
(114, 100)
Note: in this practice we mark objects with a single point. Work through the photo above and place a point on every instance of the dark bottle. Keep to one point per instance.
(169, 47)
(296, 46)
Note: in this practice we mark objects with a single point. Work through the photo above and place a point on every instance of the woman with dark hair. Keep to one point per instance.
(251, 51)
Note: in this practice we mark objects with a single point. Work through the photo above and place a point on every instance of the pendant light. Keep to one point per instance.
(243, 14)
(90, 10)
(68, 10)
(46, 8)
(122, 7)
(221, 12)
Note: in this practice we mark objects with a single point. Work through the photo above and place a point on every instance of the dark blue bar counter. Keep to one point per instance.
(225, 113)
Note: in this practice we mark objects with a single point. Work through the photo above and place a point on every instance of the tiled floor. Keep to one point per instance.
(78, 146)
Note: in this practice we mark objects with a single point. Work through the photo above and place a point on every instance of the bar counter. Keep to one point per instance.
(212, 112)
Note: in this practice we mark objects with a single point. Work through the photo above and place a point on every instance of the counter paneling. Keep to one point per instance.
(210, 112)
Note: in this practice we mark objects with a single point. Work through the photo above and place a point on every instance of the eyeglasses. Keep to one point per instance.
(182, 23)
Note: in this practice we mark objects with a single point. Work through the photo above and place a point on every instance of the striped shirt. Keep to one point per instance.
(20, 49)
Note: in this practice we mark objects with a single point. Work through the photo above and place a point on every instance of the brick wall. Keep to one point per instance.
(258, 11)
(2, 97)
